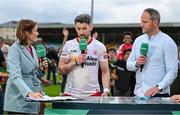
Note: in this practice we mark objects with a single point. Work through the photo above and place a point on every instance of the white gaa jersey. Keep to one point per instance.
(84, 81)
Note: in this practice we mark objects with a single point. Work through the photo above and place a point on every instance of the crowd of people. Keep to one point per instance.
(124, 71)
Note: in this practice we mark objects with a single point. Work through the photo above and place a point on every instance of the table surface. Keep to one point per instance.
(120, 105)
(124, 100)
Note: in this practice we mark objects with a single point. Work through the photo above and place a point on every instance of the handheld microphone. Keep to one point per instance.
(41, 53)
(83, 46)
(143, 51)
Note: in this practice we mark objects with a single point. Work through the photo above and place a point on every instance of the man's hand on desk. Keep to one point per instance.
(106, 92)
(176, 98)
(152, 91)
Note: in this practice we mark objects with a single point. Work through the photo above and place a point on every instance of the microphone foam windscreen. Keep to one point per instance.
(40, 50)
(144, 49)
(83, 44)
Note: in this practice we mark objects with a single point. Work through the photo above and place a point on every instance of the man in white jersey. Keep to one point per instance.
(83, 81)
(160, 64)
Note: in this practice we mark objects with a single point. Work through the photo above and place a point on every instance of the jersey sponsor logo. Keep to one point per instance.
(64, 54)
(73, 51)
(91, 61)
(90, 58)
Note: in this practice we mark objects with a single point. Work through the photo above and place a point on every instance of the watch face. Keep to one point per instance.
(159, 87)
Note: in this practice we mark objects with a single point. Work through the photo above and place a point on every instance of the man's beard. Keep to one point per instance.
(144, 31)
(83, 36)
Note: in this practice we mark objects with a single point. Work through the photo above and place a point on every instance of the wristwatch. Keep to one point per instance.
(160, 89)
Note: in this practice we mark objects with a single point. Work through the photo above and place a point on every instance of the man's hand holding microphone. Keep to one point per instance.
(81, 59)
(142, 58)
(140, 61)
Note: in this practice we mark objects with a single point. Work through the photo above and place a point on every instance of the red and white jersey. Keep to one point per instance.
(83, 81)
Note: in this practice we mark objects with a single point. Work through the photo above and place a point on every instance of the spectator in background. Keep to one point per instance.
(23, 69)
(42, 72)
(2, 65)
(63, 76)
(65, 32)
(83, 81)
(175, 87)
(124, 80)
(161, 64)
(112, 58)
(124, 85)
(52, 65)
(127, 39)
(95, 35)
(4, 47)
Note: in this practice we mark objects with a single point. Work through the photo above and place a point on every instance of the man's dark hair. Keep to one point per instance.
(127, 50)
(153, 13)
(127, 33)
(111, 49)
(83, 18)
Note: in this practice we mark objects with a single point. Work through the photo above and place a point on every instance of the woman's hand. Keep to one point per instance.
(43, 65)
(35, 95)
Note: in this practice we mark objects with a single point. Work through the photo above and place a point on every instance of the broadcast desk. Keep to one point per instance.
(119, 105)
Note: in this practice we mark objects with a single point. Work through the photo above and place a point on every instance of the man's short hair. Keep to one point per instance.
(127, 33)
(112, 49)
(155, 15)
(83, 18)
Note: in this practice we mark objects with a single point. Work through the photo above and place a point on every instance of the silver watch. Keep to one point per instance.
(159, 87)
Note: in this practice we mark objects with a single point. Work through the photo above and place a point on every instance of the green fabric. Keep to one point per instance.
(176, 112)
(2, 69)
(65, 112)
(113, 60)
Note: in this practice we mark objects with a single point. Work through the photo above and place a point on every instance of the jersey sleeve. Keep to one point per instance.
(103, 54)
(65, 53)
